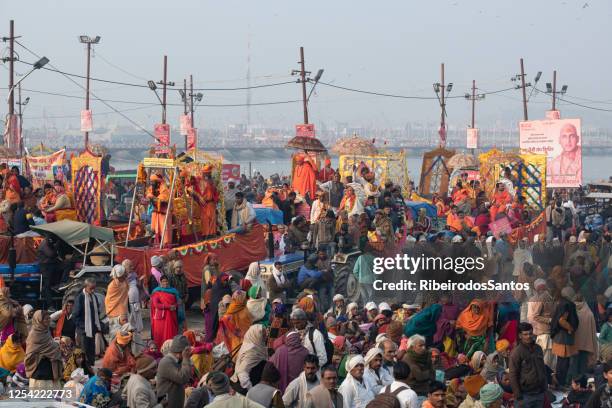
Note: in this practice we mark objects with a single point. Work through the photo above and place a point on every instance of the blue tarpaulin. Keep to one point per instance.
(415, 206)
(268, 214)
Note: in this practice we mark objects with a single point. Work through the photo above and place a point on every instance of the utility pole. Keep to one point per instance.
(191, 98)
(164, 89)
(197, 97)
(473, 97)
(441, 90)
(442, 103)
(554, 92)
(185, 111)
(185, 106)
(11, 102)
(20, 114)
(84, 39)
(525, 116)
(87, 88)
(303, 80)
(473, 103)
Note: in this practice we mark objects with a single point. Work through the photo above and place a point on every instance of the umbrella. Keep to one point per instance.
(98, 150)
(354, 145)
(461, 160)
(307, 143)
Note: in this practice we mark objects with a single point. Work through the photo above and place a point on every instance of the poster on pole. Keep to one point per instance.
(185, 124)
(192, 137)
(230, 172)
(86, 121)
(561, 142)
(162, 135)
(306, 130)
(472, 138)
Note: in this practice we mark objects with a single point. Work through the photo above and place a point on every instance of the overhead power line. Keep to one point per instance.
(95, 96)
(156, 104)
(405, 96)
(108, 81)
(578, 104)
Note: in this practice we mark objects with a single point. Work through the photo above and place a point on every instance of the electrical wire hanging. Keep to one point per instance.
(108, 81)
(92, 94)
(157, 104)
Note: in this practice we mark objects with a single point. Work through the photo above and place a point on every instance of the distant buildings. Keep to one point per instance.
(414, 135)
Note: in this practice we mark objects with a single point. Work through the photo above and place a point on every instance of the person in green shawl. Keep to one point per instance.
(424, 322)
(258, 306)
(363, 271)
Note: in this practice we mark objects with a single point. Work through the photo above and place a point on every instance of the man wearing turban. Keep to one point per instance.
(304, 179)
(118, 356)
(326, 173)
(159, 196)
(207, 196)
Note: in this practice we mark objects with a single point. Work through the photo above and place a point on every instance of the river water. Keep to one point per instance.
(594, 168)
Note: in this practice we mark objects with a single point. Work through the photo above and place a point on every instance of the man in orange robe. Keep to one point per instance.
(12, 188)
(47, 202)
(304, 179)
(326, 173)
(159, 195)
(500, 200)
(461, 197)
(207, 197)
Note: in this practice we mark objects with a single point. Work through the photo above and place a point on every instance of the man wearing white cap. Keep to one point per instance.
(371, 311)
(354, 389)
(229, 198)
(116, 300)
(382, 306)
(540, 310)
(338, 307)
(373, 374)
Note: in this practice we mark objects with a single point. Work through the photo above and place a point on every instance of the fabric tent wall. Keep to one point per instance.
(235, 255)
(87, 187)
(26, 249)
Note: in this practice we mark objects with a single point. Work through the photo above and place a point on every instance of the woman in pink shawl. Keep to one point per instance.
(289, 359)
(445, 326)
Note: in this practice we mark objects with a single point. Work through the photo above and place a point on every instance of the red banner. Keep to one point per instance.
(185, 124)
(162, 135)
(307, 130)
(230, 172)
(235, 255)
(86, 121)
(192, 137)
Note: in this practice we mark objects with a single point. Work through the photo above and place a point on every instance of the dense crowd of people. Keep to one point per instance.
(288, 340)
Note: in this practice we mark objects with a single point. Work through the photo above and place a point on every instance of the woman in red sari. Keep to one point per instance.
(166, 316)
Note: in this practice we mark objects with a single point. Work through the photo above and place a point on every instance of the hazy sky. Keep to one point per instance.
(388, 46)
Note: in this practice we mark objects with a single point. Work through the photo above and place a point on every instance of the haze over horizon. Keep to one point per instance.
(395, 47)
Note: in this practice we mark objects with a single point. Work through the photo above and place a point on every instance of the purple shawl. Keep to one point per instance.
(444, 328)
(290, 368)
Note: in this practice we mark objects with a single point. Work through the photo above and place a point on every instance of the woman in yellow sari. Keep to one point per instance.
(235, 323)
(12, 353)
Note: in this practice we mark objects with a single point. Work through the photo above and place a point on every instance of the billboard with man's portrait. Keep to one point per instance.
(560, 140)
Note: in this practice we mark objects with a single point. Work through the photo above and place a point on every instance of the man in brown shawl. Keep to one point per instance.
(11, 311)
(43, 359)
